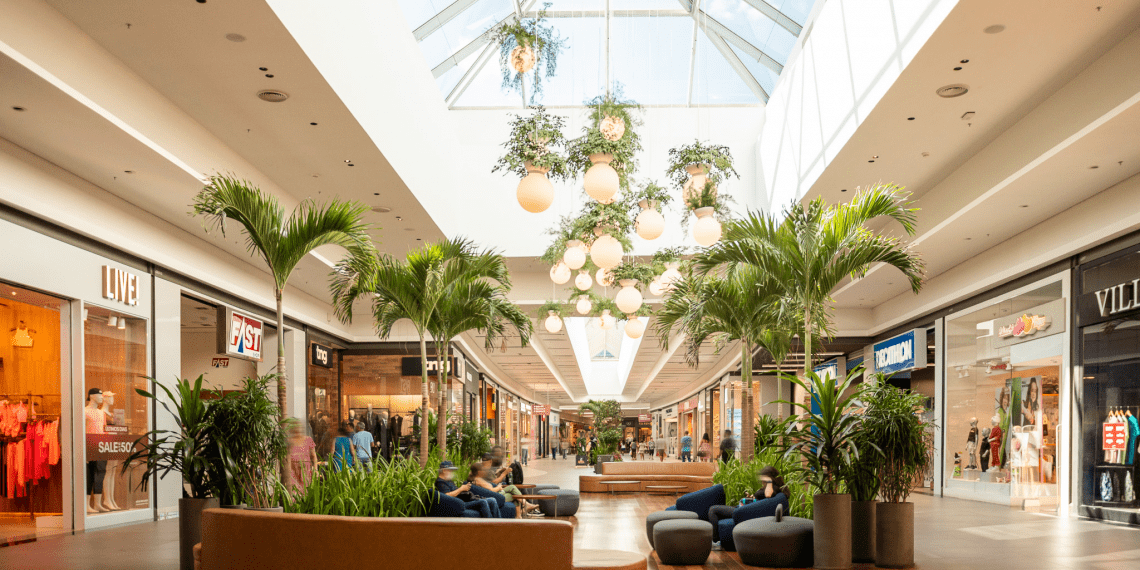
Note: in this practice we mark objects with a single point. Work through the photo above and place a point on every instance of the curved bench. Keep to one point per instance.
(693, 476)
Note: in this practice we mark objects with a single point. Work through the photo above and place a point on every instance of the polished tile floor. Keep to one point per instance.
(950, 534)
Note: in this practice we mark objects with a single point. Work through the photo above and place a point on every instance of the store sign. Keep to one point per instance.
(110, 446)
(239, 335)
(541, 410)
(412, 366)
(1118, 298)
(998, 367)
(830, 369)
(118, 285)
(688, 405)
(643, 418)
(321, 356)
(906, 351)
(220, 362)
(1025, 325)
(1115, 436)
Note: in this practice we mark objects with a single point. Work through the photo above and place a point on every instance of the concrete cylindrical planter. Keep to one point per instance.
(190, 528)
(863, 531)
(267, 509)
(832, 543)
(894, 535)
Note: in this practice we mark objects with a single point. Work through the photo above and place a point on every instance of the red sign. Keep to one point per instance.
(109, 446)
(240, 335)
(1115, 436)
(643, 418)
(689, 405)
(541, 410)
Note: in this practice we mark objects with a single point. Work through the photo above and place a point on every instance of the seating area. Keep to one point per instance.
(693, 476)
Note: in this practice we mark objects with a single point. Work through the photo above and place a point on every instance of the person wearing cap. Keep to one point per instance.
(445, 484)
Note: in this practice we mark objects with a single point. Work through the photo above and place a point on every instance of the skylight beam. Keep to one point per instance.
(469, 77)
(737, 65)
(616, 13)
(728, 35)
(444, 16)
(777, 16)
(455, 58)
(693, 52)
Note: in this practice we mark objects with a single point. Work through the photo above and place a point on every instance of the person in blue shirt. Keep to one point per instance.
(362, 446)
(342, 449)
(686, 448)
(445, 484)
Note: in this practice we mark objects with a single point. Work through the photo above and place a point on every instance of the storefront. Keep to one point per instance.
(1006, 362)
(322, 391)
(471, 409)
(910, 361)
(488, 407)
(1108, 348)
(687, 412)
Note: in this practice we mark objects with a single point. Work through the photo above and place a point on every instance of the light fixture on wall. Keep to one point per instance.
(122, 323)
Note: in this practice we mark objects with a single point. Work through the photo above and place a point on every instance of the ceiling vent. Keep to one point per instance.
(272, 96)
(951, 91)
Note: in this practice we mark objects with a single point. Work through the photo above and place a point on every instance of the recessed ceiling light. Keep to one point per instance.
(843, 190)
(272, 96)
(351, 164)
(375, 193)
(264, 68)
(994, 29)
(1025, 205)
(347, 160)
(1093, 167)
(382, 209)
(964, 61)
(910, 118)
(235, 37)
(967, 239)
(418, 239)
(399, 218)
(128, 171)
(870, 161)
(314, 124)
(269, 75)
(957, 69)
(409, 229)
(953, 90)
(875, 156)
(18, 108)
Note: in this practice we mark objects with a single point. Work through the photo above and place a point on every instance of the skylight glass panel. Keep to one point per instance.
(763, 74)
(486, 90)
(716, 82)
(645, 5)
(581, 72)
(651, 58)
(570, 5)
(419, 11)
(464, 28)
(451, 77)
(753, 26)
(797, 10)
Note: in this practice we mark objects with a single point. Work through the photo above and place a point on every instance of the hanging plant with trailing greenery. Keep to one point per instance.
(629, 269)
(559, 307)
(708, 197)
(536, 139)
(612, 130)
(527, 44)
(651, 192)
(717, 158)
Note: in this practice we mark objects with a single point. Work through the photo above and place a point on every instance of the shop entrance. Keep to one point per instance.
(33, 470)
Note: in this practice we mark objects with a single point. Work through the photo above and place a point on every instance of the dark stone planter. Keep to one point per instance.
(190, 528)
(863, 531)
(832, 541)
(894, 535)
(602, 459)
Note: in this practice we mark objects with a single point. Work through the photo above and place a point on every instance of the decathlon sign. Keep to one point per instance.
(906, 351)
(239, 335)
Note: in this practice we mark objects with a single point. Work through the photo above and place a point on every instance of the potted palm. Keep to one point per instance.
(247, 428)
(891, 421)
(826, 441)
(189, 451)
(863, 484)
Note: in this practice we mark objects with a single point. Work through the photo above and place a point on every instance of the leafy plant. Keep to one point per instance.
(624, 151)
(559, 308)
(190, 451)
(770, 432)
(827, 440)
(718, 158)
(891, 421)
(607, 423)
(470, 441)
(743, 477)
(642, 272)
(708, 197)
(247, 428)
(536, 139)
(537, 34)
(613, 105)
(396, 488)
(653, 193)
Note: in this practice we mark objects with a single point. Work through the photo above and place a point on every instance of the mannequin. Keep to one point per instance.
(972, 444)
(380, 433)
(109, 479)
(369, 419)
(95, 420)
(984, 449)
(1133, 435)
(995, 444)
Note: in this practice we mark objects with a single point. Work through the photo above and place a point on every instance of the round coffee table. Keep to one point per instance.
(523, 487)
(540, 498)
(613, 483)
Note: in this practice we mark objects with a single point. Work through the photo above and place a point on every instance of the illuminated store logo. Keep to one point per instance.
(1117, 299)
(118, 285)
(241, 336)
(1025, 326)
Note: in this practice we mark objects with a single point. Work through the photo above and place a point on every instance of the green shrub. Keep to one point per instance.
(397, 488)
(740, 478)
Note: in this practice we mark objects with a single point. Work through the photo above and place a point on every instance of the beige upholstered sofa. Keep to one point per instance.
(694, 476)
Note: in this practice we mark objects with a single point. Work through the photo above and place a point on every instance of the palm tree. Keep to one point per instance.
(282, 242)
(817, 246)
(744, 305)
(413, 289)
(476, 301)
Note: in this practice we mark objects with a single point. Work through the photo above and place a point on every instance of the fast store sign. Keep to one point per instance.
(240, 335)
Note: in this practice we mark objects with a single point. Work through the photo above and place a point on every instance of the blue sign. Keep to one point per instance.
(906, 351)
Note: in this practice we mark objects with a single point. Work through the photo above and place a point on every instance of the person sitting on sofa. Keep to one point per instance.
(477, 476)
(496, 472)
(444, 483)
(771, 484)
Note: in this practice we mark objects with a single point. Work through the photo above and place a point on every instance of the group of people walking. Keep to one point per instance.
(704, 451)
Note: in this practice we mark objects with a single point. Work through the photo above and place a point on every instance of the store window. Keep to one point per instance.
(1003, 373)
(114, 366)
(31, 499)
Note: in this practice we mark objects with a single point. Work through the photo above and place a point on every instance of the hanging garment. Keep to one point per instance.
(1105, 487)
(995, 447)
(1129, 491)
(96, 419)
(1133, 438)
(52, 438)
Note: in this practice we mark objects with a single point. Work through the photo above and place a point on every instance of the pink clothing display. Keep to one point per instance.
(96, 419)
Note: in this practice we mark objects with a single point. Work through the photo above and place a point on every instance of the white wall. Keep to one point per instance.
(854, 51)
(199, 348)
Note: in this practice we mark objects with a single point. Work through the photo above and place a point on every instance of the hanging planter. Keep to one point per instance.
(553, 324)
(628, 298)
(583, 281)
(656, 287)
(690, 163)
(707, 230)
(527, 44)
(560, 273)
(533, 154)
(584, 306)
(575, 256)
(606, 251)
(601, 180)
(608, 320)
(672, 273)
(698, 179)
(650, 223)
(604, 277)
(612, 128)
(634, 327)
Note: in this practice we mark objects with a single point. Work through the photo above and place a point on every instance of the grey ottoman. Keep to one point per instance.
(775, 542)
(659, 516)
(538, 489)
(682, 542)
(567, 501)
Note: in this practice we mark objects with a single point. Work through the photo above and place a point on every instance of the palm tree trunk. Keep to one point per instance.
(748, 437)
(425, 404)
(441, 411)
(282, 377)
(807, 340)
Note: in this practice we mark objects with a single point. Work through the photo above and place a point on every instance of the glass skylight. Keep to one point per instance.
(662, 52)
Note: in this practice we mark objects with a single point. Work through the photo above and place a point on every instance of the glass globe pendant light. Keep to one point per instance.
(671, 274)
(650, 223)
(634, 327)
(604, 277)
(583, 281)
(656, 287)
(583, 306)
(707, 229)
(608, 320)
(606, 251)
(601, 180)
(575, 256)
(553, 324)
(535, 192)
(560, 273)
(629, 298)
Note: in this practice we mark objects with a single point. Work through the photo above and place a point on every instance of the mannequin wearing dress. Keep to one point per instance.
(972, 445)
(109, 479)
(95, 421)
(995, 445)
